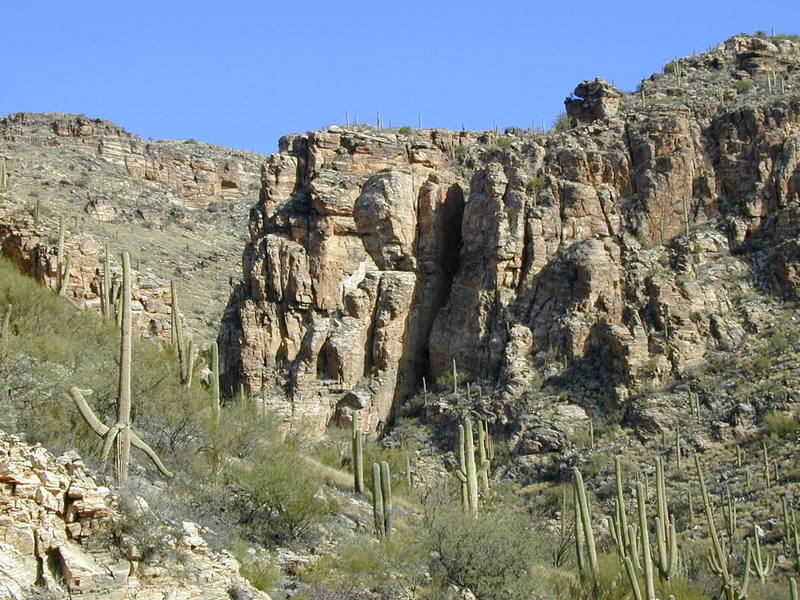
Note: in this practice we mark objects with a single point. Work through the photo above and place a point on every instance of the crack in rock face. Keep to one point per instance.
(616, 246)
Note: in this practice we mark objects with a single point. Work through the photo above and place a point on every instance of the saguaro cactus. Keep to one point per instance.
(357, 446)
(121, 430)
(4, 329)
(763, 569)
(485, 453)
(3, 175)
(386, 492)
(666, 536)
(382, 498)
(619, 520)
(644, 543)
(718, 559)
(62, 266)
(214, 380)
(467, 472)
(184, 349)
(730, 515)
(582, 508)
(6, 322)
(107, 291)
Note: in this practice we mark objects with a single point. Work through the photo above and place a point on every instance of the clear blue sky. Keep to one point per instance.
(244, 73)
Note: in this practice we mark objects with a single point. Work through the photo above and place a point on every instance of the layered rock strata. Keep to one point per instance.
(622, 245)
(58, 536)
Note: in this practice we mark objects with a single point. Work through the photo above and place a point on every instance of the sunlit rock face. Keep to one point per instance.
(377, 258)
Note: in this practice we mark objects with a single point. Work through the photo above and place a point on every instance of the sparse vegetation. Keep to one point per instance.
(562, 123)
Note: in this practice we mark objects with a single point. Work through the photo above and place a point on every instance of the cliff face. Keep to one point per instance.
(625, 245)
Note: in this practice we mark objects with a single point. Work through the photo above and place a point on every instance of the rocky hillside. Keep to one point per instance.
(646, 231)
(62, 535)
(179, 207)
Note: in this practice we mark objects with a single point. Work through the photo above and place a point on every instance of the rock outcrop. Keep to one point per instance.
(198, 175)
(622, 246)
(58, 534)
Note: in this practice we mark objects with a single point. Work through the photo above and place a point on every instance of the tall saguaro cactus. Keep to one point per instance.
(582, 509)
(184, 349)
(382, 498)
(467, 472)
(63, 265)
(120, 432)
(644, 542)
(358, 455)
(215, 402)
(718, 559)
(107, 295)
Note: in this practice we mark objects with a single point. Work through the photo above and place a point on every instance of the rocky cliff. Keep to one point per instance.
(646, 230)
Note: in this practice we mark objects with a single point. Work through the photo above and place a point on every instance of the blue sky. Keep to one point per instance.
(242, 74)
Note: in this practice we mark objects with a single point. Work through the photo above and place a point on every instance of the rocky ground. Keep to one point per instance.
(63, 536)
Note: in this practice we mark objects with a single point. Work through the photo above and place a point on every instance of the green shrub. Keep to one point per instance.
(278, 495)
(495, 556)
(536, 184)
(140, 525)
(392, 568)
(780, 424)
(405, 130)
(743, 85)
(562, 123)
(262, 573)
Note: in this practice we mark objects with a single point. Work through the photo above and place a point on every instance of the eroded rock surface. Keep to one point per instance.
(57, 534)
(622, 246)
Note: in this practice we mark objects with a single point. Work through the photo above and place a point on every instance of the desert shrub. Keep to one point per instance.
(743, 85)
(504, 142)
(260, 570)
(562, 123)
(277, 494)
(535, 184)
(392, 568)
(780, 424)
(495, 556)
(138, 524)
(612, 584)
(405, 130)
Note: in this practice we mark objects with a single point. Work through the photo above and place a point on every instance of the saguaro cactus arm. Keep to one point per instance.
(110, 433)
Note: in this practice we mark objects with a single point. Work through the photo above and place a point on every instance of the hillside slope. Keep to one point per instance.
(178, 206)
